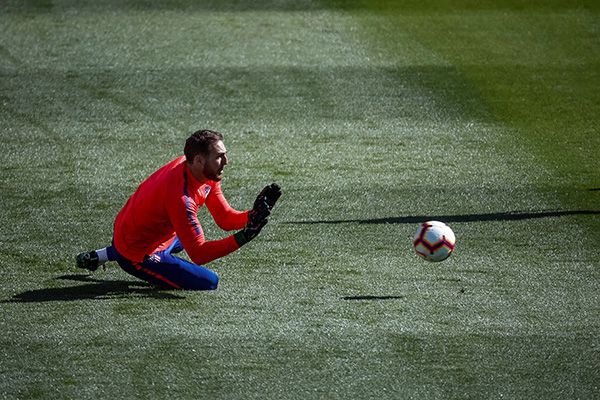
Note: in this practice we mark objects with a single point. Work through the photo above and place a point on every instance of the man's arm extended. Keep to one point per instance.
(183, 215)
(224, 215)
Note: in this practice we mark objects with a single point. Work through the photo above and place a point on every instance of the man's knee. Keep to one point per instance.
(214, 282)
(181, 274)
(209, 280)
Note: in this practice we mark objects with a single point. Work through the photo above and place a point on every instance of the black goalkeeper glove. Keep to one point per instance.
(273, 194)
(269, 195)
(257, 217)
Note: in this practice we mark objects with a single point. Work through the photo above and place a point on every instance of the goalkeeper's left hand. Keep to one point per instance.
(257, 219)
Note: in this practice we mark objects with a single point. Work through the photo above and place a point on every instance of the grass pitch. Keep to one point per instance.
(372, 116)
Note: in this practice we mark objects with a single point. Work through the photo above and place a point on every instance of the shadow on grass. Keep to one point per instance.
(93, 289)
(371, 298)
(417, 219)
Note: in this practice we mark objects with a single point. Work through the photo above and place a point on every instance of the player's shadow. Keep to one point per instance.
(92, 289)
(417, 219)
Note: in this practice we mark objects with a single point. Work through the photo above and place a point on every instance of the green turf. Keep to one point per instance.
(373, 116)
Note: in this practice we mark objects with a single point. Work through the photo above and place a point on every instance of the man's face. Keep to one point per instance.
(211, 167)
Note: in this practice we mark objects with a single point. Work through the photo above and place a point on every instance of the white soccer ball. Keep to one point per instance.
(434, 241)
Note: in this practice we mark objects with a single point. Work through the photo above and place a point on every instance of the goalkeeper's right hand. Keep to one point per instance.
(270, 194)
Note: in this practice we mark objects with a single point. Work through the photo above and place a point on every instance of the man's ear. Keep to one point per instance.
(199, 159)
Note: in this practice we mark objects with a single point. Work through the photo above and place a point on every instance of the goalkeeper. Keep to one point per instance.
(160, 219)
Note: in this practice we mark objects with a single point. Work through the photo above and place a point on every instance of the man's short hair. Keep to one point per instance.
(199, 143)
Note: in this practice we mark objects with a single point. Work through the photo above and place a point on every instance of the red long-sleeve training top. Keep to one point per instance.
(166, 204)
